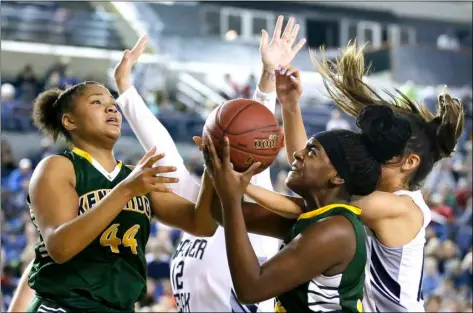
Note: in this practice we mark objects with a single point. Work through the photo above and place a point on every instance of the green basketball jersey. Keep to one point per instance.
(342, 292)
(110, 273)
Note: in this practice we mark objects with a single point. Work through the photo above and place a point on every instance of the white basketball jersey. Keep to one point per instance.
(394, 275)
(200, 275)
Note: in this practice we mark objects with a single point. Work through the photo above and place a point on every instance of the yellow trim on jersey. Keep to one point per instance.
(278, 308)
(329, 207)
(359, 306)
(88, 157)
(83, 154)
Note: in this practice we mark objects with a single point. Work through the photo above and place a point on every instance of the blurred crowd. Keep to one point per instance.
(448, 255)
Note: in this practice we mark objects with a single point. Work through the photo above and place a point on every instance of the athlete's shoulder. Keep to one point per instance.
(379, 205)
(55, 169)
(54, 163)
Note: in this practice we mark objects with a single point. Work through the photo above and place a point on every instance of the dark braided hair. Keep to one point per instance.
(362, 153)
(50, 106)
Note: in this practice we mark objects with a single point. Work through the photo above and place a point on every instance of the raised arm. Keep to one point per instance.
(147, 128)
(279, 51)
(289, 91)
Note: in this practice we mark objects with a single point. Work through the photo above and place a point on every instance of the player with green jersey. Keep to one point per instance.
(111, 271)
(341, 292)
(93, 212)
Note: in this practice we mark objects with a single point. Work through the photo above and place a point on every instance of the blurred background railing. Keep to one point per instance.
(59, 23)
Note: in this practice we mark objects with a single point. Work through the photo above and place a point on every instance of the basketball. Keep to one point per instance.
(252, 129)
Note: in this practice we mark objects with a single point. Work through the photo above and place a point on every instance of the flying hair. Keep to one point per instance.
(343, 79)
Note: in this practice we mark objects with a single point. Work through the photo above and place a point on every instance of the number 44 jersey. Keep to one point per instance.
(110, 273)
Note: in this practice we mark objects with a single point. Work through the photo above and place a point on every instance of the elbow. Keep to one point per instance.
(58, 256)
(247, 295)
(57, 251)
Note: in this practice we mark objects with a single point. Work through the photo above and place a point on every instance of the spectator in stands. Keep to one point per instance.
(47, 148)
(17, 200)
(27, 84)
(449, 305)
(433, 304)
(53, 81)
(248, 89)
(60, 66)
(68, 79)
(432, 277)
(17, 176)
(337, 121)
(8, 106)
(230, 89)
(8, 164)
(441, 175)
(163, 105)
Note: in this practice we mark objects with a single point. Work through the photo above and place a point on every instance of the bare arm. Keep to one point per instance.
(23, 293)
(193, 218)
(289, 90)
(321, 247)
(286, 206)
(258, 220)
(295, 136)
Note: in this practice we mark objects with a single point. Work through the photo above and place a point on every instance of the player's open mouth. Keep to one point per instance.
(113, 121)
(295, 169)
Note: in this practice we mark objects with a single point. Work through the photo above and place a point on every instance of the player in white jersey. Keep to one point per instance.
(396, 215)
(199, 270)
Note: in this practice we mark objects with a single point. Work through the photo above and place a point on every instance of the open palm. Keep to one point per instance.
(280, 50)
(122, 73)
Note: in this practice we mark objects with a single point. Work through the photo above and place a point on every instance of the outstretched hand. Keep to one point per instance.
(229, 184)
(145, 178)
(280, 51)
(122, 73)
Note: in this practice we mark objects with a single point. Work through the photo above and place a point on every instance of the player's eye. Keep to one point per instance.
(312, 152)
(96, 102)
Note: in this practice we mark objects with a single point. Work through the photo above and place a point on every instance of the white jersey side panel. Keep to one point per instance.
(201, 279)
(394, 275)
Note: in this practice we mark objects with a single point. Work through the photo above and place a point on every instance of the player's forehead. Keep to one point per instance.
(92, 90)
(314, 143)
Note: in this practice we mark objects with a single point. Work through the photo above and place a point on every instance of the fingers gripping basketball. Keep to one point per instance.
(252, 129)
